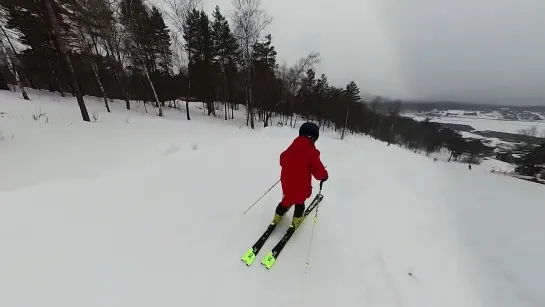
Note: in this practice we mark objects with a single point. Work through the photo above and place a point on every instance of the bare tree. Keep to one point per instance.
(179, 12)
(137, 50)
(249, 23)
(178, 59)
(112, 42)
(85, 46)
(532, 131)
(64, 52)
(293, 77)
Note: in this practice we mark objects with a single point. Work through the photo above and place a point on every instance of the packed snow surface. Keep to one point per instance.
(135, 210)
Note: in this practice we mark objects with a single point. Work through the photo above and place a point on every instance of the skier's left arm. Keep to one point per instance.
(317, 167)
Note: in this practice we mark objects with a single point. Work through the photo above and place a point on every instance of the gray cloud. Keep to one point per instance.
(483, 50)
(468, 50)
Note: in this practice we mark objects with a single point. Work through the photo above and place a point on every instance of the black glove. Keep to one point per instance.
(322, 182)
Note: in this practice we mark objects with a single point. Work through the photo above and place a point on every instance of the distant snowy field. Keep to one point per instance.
(135, 210)
(483, 123)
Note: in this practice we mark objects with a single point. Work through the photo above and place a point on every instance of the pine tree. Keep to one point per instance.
(134, 18)
(190, 32)
(321, 90)
(352, 98)
(532, 162)
(263, 72)
(199, 45)
(306, 94)
(160, 41)
(226, 55)
(206, 62)
(29, 19)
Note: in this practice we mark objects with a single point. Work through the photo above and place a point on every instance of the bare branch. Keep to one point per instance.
(179, 10)
(293, 76)
(249, 22)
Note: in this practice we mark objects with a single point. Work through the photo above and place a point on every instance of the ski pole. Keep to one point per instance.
(313, 224)
(312, 233)
(262, 196)
(322, 182)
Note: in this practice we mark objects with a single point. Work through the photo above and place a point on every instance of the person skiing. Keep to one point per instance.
(299, 162)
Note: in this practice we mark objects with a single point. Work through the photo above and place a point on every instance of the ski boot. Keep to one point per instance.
(296, 222)
(277, 218)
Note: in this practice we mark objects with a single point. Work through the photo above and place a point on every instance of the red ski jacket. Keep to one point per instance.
(299, 162)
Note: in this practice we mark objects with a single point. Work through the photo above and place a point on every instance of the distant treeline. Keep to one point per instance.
(532, 163)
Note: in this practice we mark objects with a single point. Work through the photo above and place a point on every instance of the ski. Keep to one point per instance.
(272, 256)
(250, 255)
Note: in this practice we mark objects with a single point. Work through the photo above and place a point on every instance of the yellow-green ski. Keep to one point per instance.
(269, 260)
(250, 255)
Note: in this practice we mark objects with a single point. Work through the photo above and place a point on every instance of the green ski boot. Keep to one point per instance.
(296, 222)
(277, 218)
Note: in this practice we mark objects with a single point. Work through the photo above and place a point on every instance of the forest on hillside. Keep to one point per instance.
(123, 49)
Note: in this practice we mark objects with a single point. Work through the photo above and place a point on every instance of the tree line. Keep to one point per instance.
(123, 49)
(532, 161)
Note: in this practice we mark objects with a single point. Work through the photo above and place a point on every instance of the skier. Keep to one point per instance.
(299, 162)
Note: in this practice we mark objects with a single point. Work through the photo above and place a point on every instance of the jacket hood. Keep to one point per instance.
(301, 143)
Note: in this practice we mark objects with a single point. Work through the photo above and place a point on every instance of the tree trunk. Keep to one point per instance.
(225, 91)
(154, 92)
(55, 77)
(3, 83)
(345, 121)
(124, 80)
(373, 125)
(188, 84)
(391, 133)
(64, 52)
(249, 102)
(95, 70)
(378, 126)
(14, 70)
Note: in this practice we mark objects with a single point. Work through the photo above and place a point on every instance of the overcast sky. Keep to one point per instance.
(467, 50)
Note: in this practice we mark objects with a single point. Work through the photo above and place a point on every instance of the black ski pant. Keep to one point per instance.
(298, 211)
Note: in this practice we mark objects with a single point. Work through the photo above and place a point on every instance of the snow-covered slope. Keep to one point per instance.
(140, 211)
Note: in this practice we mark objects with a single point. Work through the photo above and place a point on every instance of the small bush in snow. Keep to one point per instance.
(37, 116)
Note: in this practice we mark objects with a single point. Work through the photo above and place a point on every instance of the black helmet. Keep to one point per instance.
(310, 130)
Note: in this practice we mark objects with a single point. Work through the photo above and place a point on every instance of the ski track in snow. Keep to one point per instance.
(140, 211)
